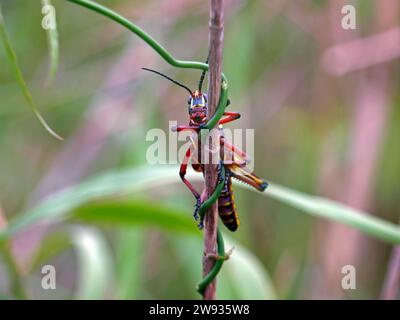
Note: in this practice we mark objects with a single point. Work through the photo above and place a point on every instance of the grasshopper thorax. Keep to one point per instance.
(197, 103)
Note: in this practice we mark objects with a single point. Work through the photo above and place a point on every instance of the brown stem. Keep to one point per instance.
(214, 85)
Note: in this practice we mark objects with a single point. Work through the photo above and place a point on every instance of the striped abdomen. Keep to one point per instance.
(226, 206)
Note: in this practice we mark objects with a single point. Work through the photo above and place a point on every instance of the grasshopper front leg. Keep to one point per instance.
(182, 173)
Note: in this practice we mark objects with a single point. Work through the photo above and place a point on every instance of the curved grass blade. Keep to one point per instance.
(335, 211)
(52, 40)
(134, 212)
(12, 58)
(94, 262)
(93, 255)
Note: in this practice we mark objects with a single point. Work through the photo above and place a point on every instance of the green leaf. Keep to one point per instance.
(52, 40)
(12, 58)
(332, 210)
(140, 212)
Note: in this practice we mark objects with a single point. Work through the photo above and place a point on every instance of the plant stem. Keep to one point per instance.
(16, 284)
(215, 70)
(12, 266)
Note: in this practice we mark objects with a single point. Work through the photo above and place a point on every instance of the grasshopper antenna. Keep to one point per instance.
(170, 79)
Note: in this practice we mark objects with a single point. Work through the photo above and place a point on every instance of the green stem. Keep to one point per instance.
(210, 124)
(17, 287)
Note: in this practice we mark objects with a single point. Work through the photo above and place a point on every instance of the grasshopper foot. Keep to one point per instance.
(197, 209)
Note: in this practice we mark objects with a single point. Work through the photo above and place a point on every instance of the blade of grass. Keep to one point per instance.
(13, 269)
(12, 58)
(130, 265)
(7, 256)
(49, 247)
(52, 40)
(119, 183)
(94, 261)
(332, 210)
(134, 212)
(93, 258)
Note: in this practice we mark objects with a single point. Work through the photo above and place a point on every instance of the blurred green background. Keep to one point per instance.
(318, 129)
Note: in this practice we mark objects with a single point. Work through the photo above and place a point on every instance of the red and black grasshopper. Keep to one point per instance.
(234, 168)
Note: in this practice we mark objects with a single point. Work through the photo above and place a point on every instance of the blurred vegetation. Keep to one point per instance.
(144, 245)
